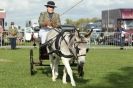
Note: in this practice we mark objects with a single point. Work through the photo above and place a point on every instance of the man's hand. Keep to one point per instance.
(54, 24)
(46, 23)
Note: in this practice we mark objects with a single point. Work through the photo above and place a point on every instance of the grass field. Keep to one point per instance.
(103, 69)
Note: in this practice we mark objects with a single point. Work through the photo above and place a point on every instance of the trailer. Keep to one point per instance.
(124, 17)
(2, 17)
(111, 17)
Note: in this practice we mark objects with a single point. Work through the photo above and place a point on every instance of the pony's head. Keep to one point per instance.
(81, 46)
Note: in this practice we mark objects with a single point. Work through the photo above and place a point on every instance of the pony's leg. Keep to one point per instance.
(64, 76)
(50, 58)
(56, 67)
(53, 74)
(52, 65)
(51, 61)
(55, 62)
(69, 70)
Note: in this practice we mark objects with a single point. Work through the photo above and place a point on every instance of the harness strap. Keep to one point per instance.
(59, 53)
(66, 56)
(70, 56)
(81, 55)
(57, 41)
(60, 37)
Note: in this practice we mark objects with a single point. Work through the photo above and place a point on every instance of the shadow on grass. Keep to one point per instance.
(80, 81)
(14, 49)
(47, 71)
(123, 79)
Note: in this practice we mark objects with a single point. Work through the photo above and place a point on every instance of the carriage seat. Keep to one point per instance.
(68, 28)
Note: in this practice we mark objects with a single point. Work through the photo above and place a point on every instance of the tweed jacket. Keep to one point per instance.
(45, 21)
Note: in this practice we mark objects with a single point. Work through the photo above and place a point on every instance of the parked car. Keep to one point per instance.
(28, 31)
(96, 31)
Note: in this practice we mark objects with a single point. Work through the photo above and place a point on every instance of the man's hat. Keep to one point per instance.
(50, 4)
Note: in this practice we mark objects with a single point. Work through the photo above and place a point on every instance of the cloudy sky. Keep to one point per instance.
(21, 10)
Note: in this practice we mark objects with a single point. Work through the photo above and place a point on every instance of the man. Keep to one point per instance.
(121, 30)
(1, 33)
(13, 35)
(48, 20)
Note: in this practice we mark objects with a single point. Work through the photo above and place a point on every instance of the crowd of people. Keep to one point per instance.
(117, 37)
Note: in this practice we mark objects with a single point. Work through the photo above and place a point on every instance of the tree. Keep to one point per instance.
(81, 22)
(69, 21)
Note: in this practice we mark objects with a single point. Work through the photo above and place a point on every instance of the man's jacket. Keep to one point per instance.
(45, 21)
(13, 32)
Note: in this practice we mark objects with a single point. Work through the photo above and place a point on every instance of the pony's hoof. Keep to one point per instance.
(73, 84)
(53, 79)
(64, 82)
(56, 77)
(56, 74)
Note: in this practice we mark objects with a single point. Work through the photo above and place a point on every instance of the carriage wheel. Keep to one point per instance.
(31, 62)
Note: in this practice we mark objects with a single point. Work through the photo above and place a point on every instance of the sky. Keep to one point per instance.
(20, 11)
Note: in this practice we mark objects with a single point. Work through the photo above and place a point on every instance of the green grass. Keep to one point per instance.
(103, 69)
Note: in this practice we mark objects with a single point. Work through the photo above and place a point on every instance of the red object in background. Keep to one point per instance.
(2, 18)
(2, 14)
(127, 13)
(1, 29)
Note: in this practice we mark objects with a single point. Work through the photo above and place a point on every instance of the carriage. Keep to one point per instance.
(44, 55)
(66, 44)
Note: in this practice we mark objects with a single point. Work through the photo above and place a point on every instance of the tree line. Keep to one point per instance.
(80, 21)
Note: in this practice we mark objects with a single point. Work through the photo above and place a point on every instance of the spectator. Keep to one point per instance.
(20, 38)
(32, 37)
(13, 35)
(1, 33)
(1, 29)
(121, 30)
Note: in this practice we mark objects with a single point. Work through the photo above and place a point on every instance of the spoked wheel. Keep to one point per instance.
(31, 62)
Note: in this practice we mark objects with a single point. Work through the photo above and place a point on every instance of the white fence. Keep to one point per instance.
(111, 40)
(97, 40)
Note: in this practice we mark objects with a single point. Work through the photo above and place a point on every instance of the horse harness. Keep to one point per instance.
(60, 37)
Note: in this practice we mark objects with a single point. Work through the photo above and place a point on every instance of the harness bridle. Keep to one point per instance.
(75, 46)
(76, 56)
(78, 49)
